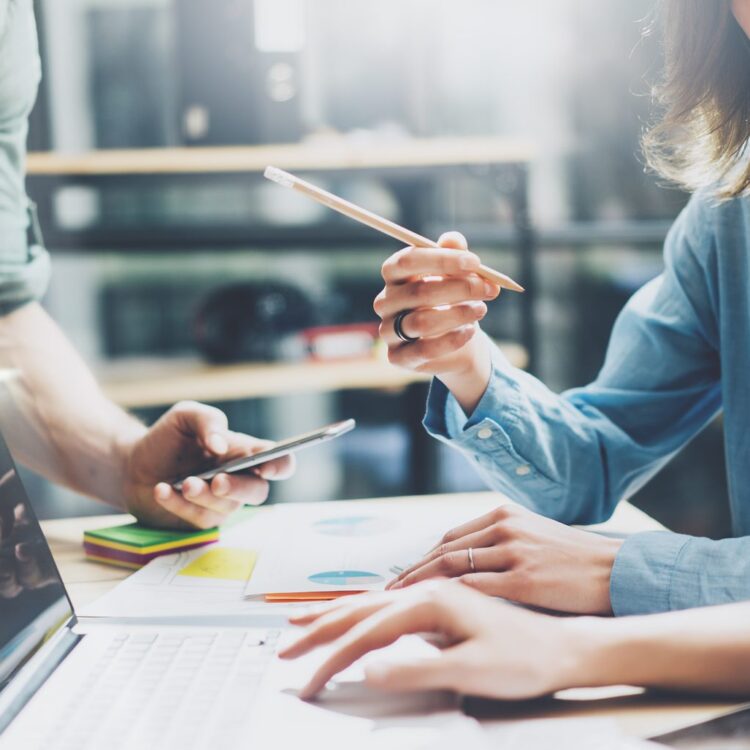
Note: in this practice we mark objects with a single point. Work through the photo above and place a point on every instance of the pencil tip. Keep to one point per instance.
(279, 176)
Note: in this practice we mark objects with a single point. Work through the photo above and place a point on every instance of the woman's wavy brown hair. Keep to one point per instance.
(702, 136)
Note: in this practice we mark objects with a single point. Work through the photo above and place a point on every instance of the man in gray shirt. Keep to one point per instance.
(54, 415)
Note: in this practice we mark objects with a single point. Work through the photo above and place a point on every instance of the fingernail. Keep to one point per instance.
(490, 289)
(306, 693)
(189, 489)
(268, 471)
(217, 444)
(22, 553)
(162, 492)
(220, 486)
(397, 585)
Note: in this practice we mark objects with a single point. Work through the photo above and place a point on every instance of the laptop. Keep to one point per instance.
(75, 682)
(68, 682)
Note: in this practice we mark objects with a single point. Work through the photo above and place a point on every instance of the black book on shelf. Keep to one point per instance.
(129, 76)
(230, 91)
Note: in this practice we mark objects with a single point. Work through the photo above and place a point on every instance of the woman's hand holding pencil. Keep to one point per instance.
(435, 299)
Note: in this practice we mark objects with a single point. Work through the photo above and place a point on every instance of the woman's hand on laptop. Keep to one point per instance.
(487, 648)
(186, 439)
(436, 298)
(519, 555)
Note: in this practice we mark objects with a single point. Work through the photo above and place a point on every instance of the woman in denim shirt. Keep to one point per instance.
(679, 354)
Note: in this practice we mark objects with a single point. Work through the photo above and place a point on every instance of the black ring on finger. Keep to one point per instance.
(398, 328)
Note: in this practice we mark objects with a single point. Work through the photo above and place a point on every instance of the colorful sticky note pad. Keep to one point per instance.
(224, 563)
(135, 536)
(132, 545)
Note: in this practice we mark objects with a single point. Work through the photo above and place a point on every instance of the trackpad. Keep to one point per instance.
(348, 711)
(354, 698)
(349, 694)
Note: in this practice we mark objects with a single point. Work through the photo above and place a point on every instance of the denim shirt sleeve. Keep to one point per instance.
(24, 265)
(659, 571)
(573, 456)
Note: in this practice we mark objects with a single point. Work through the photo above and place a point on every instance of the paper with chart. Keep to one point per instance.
(208, 581)
(309, 547)
(339, 547)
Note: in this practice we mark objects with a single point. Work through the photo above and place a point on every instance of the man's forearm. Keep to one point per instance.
(54, 415)
(702, 649)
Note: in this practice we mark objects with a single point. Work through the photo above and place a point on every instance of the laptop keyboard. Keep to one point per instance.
(149, 690)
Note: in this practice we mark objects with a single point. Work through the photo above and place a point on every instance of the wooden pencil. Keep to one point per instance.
(370, 219)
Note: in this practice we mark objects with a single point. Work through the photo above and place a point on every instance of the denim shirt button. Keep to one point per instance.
(485, 433)
(522, 471)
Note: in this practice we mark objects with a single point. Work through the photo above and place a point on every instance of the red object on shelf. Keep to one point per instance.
(351, 341)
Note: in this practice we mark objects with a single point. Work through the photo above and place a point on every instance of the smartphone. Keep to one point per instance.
(283, 448)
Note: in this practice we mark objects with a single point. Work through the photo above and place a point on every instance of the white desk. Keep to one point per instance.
(639, 714)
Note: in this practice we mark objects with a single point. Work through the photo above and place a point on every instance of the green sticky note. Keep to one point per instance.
(135, 535)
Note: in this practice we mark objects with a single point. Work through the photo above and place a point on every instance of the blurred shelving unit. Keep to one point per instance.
(143, 383)
(411, 167)
(323, 155)
(499, 161)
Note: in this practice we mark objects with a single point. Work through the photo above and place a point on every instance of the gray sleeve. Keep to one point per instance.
(24, 264)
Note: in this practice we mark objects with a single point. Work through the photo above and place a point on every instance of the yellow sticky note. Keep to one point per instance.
(222, 562)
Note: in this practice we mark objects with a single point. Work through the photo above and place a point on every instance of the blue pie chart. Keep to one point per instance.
(345, 578)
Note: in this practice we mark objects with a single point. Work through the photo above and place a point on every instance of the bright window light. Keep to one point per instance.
(279, 25)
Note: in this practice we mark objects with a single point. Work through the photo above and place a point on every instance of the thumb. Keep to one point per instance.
(454, 240)
(428, 673)
(207, 423)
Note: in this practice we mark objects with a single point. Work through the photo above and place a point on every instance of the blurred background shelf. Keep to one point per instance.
(149, 382)
(416, 167)
(328, 154)
(153, 124)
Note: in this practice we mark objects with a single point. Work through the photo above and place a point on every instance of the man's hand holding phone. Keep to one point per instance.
(263, 461)
(189, 437)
